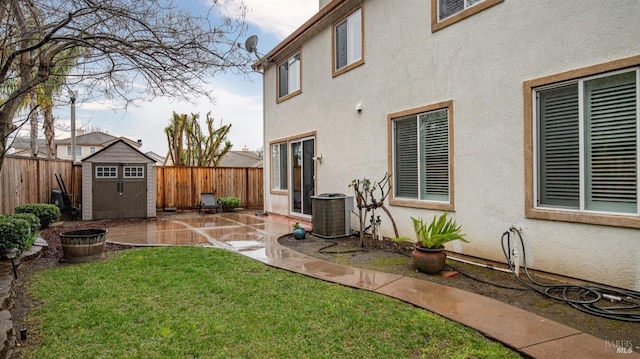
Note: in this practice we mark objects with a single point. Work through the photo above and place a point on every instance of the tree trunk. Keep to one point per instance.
(49, 131)
(33, 122)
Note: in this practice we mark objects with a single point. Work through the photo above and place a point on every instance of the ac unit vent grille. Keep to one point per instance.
(330, 215)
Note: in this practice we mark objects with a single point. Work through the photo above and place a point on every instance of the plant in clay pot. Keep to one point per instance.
(428, 255)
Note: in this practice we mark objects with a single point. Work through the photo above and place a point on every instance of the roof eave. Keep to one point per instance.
(316, 20)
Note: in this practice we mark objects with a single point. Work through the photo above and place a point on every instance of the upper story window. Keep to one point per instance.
(279, 166)
(447, 12)
(92, 149)
(347, 43)
(78, 151)
(289, 77)
(422, 163)
(582, 145)
(448, 8)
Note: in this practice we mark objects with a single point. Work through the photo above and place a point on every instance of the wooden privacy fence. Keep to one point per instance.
(180, 187)
(28, 180)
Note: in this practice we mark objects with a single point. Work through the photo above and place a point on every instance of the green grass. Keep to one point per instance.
(188, 302)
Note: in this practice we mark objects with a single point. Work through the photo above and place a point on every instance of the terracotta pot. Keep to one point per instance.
(428, 260)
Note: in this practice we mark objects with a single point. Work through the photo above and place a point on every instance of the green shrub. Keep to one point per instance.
(229, 204)
(14, 232)
(47, 213)
(34, 221)
(34, 226)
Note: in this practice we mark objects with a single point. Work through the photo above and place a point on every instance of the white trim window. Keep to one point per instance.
(421, 156)
(106, 171)
(587, 144)
(78, 151)
(348, 40)
(279, 177)
(133, 172)
(289, 76)
(448, 8)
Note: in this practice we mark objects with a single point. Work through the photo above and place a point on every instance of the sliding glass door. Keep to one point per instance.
(302, 175)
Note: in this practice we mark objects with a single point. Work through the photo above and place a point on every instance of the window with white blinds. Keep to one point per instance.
(421, 156)
(587, 146)
(348, 40)
(447, 8)
(289, 76)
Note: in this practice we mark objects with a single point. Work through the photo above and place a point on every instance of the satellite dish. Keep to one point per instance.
(251, 43)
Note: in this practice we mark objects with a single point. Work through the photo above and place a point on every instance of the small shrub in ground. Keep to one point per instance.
(34, 224)
(47, 213)
(229, 204)
(14, 232)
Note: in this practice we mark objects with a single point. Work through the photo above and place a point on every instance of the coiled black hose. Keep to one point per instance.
(586, 298)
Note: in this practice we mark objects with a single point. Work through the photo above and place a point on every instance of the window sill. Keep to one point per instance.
(614, 220)
(284, 98)
(348, 68)
(440, 206)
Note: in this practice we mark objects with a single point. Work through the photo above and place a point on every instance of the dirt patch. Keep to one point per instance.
(391, 257)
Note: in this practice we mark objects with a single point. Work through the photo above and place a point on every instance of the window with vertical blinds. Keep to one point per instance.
(588, 144)
(421, 156)
(348, 40)
(447, 8)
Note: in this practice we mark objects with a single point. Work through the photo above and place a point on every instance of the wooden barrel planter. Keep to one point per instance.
(84, 245)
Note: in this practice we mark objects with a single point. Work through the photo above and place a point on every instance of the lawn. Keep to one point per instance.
(193, 302)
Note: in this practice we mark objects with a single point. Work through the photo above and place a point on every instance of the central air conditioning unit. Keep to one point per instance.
(331, 214)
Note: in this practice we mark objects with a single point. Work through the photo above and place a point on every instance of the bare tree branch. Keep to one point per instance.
(128, 50)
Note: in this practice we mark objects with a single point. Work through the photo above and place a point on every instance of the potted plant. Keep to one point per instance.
(428, 254)
(299, 232)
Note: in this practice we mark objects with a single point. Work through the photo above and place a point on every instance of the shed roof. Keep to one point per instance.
(100, 155)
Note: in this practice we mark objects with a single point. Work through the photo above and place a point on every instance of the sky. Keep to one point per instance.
(238, 100)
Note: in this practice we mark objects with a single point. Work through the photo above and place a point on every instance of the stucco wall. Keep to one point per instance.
(480, 64)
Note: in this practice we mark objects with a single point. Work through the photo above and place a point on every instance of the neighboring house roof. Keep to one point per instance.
(241, 159)
(159, 159)
(96, 139)
(22, 147)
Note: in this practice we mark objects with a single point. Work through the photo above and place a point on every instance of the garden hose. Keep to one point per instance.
(585, 298)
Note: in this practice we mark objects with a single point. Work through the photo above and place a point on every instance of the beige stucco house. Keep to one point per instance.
(504, 113)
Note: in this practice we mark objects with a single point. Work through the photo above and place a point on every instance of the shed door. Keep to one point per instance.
(119, 191)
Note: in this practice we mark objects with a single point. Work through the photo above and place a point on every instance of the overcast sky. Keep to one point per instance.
(238, 100)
